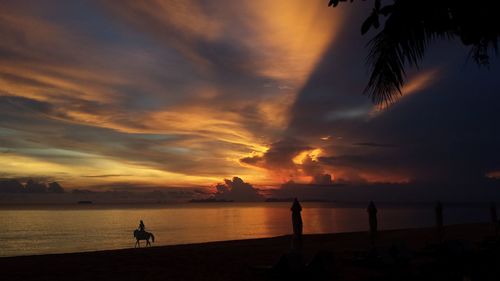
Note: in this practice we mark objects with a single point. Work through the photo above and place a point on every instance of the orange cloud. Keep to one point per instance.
(171, 84)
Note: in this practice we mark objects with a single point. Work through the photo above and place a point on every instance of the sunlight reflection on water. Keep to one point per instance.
(94, 227)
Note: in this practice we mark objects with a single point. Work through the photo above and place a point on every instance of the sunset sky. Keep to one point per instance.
(187, 93)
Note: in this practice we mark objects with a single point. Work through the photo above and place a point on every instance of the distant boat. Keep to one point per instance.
(85, 202)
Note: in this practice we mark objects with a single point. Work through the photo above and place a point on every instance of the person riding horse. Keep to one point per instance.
(142, 234)
(142, 227)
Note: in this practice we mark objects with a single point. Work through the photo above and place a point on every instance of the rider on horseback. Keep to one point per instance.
(141, 234)
(142, 227)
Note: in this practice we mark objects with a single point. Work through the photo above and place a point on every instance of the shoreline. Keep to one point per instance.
(145, 204)
(221, 260)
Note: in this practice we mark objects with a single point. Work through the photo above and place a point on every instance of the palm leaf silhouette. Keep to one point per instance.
(411, 26)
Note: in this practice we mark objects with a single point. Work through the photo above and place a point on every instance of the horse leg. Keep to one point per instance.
(137, 244)
(147, 243)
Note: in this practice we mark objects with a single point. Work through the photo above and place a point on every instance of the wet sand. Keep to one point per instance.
(227, 260)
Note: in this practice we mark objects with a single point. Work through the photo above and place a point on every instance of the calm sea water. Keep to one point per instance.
(89, 228)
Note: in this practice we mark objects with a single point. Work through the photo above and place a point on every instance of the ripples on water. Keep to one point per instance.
(98, 227)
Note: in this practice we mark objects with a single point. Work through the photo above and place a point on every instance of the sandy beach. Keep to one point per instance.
(238, 260)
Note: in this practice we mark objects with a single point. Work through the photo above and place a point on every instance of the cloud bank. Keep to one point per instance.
(185, 93)
(236, 190)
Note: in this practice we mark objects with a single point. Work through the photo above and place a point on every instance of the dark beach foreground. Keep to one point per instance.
(412, 254)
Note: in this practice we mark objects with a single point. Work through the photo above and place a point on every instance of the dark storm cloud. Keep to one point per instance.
(443, 129)
(446, 131)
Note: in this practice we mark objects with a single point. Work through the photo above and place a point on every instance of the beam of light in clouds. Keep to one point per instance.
(166, 92)
(172, 92)
(419, 82)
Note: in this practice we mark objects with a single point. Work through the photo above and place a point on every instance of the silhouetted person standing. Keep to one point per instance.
(372, 220)
(297, 225)
(142, 227)
(494, 217)
(439, 220)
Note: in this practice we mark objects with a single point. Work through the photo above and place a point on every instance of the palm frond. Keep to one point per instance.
(411, 25)
(401, 43)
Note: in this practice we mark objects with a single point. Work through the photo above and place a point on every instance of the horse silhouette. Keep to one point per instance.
(143, 235)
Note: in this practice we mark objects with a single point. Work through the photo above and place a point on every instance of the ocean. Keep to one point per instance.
(92, 227)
